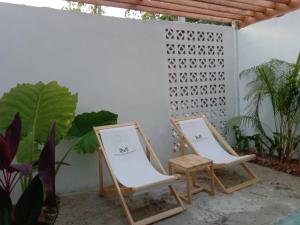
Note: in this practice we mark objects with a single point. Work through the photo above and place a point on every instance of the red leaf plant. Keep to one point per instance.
(9, 143)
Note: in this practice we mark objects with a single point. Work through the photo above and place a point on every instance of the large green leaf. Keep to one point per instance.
(29, 206)
(40, 105)
(28, 151)
(87, 143)
(82, 129)
(85, 122)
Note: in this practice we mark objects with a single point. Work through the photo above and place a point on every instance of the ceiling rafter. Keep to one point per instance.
(214, 7)
(239, 12)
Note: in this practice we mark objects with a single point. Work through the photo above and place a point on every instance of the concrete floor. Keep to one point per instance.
(274, 197)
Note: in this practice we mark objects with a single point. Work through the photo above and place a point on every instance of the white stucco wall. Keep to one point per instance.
(258, 43)
(114, 64)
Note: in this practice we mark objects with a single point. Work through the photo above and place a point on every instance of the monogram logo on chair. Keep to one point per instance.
(198, 137)
(124, 150)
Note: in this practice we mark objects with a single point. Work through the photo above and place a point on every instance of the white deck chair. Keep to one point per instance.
(130, 167)
(205, 140)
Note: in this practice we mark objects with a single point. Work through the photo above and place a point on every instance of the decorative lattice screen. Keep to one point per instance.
(200, 73)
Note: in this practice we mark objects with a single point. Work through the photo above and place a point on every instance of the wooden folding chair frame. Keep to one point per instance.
(121, 191)
(184, 140)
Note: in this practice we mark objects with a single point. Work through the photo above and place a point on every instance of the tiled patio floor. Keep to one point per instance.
(274, 197)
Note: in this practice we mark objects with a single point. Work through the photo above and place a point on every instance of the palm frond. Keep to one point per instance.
(245, 121)
(297, 117)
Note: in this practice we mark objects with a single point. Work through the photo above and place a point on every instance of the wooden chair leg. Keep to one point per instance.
(148, 220)
(124, 205)
(177, 198)
(249, 171)
(178, 209)
(253, 179)
(101, 180)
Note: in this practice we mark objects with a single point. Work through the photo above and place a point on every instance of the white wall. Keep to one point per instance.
(258, 43)
(114, 64)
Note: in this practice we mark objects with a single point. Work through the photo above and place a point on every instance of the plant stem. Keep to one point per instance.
(5, 179)
(9, 177)
(12, 181)
(2, 184)
(13, 186)
(65, 155)
(3, 171)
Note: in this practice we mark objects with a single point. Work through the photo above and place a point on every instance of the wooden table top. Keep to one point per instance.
(190, 161)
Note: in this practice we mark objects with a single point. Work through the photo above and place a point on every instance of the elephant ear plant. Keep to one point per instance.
(39, 105)
(81, 132)
(40, 192)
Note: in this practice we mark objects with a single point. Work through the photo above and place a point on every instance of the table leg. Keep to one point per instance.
(188, 187)
(170, 169)
(194, 180)
(212, 179)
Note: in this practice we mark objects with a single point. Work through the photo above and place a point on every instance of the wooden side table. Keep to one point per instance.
(190, 165)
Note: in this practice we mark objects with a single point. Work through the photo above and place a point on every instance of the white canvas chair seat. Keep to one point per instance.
(128, 160)
(206, 145)
(129, 166)
(205, 140)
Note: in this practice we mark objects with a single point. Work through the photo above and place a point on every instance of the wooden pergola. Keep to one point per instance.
(240, 13)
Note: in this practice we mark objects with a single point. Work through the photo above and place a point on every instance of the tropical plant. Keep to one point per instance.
(279, 83)
(84, 8)
(245, 142)
(9, 142)
(156, 16)
(242, 141)
(39, 106)
(39, 192)
(81, 132)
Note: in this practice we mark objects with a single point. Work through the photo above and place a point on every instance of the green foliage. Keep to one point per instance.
(42, 187)
(82, 129)
(29, 206)
(84, 8)
(279, 83)
(242, 141)
(157, 16)
(39, 106)
(26, 153)
(87, 143)
(151, 16)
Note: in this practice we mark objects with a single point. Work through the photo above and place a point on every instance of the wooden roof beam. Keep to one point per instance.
(281, 1)
(204, 5)
(237, 5)
(270, 13)
(262, 3)
(188, 9)
(151, 9)
(266, 4)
